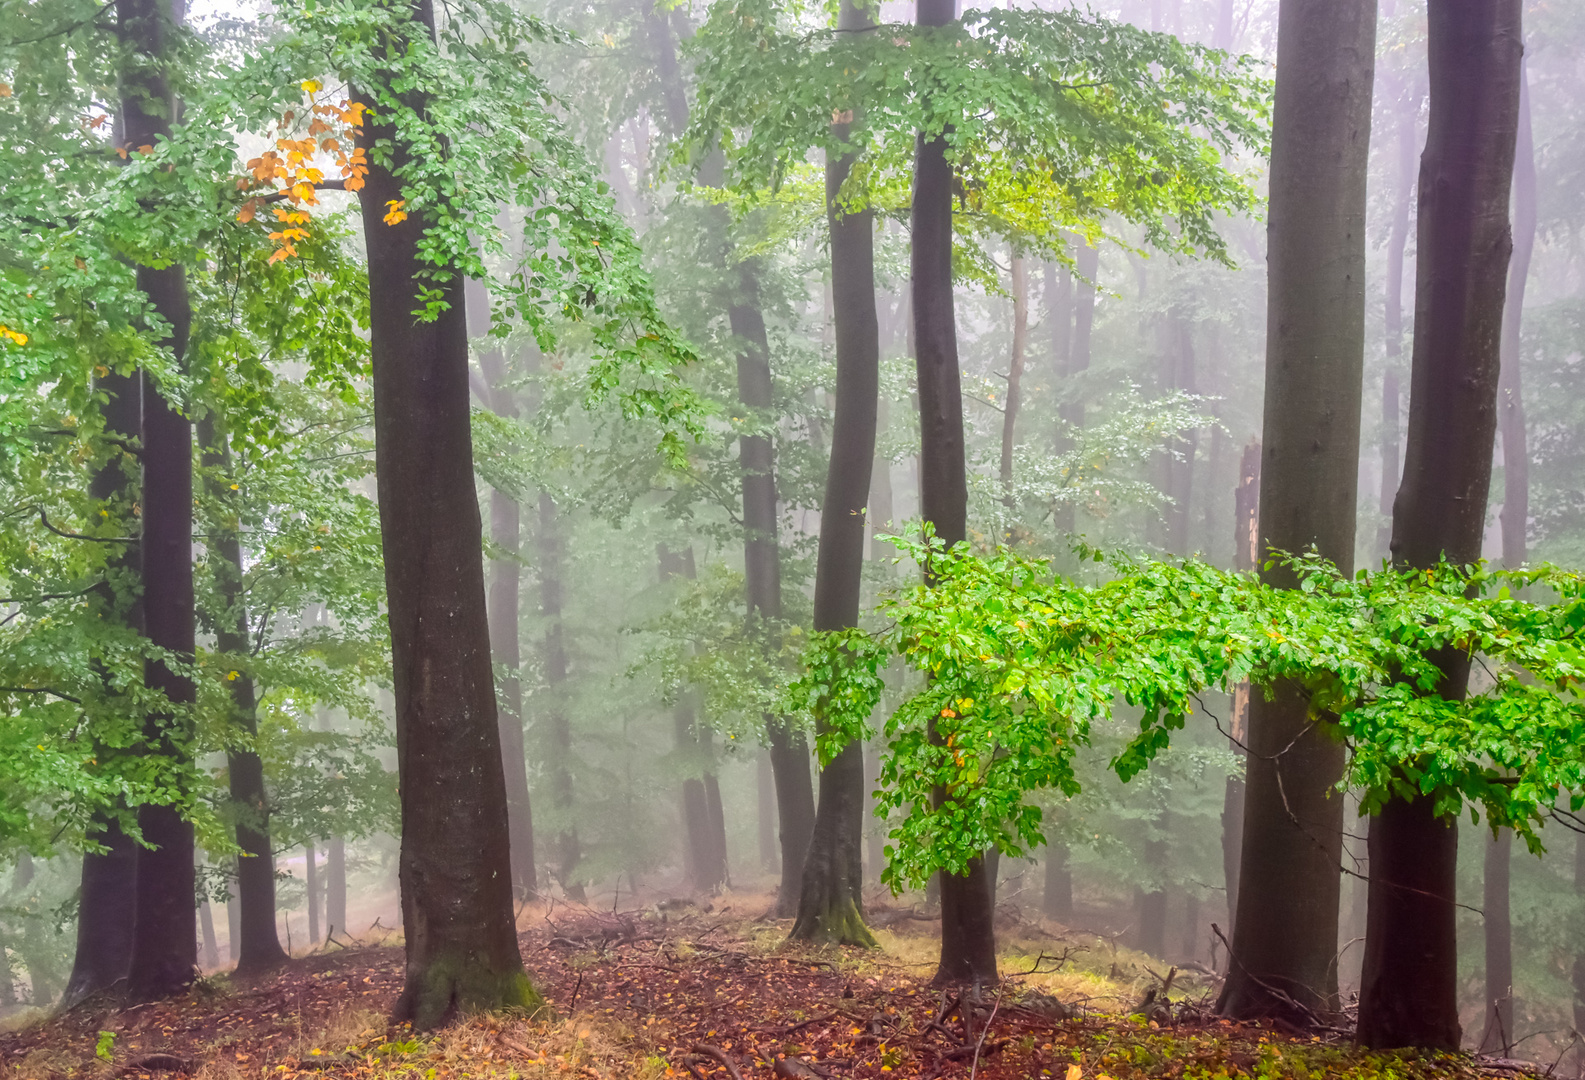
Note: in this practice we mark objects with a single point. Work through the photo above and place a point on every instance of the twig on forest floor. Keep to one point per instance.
(974, 1066)
(711, 1051)
(799, 1026)
(578, 986)
(1276, 992)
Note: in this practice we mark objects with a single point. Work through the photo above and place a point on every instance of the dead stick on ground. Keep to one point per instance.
(1266, 986)
(709, 1050)
(986, 1030)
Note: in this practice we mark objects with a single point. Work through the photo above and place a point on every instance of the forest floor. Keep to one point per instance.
(707, 995)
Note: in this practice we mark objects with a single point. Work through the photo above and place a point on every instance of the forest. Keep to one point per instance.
(797, 538)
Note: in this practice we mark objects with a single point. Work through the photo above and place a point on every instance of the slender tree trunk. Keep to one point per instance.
(1178, 465)
(1285, 926)
(504, 590)
(1499, 1033)
(1397, 242)
(558, 727)
(233, 919)
(789, 751)
(1015, 378)
(1152, 901)
(831, 901)
(1577, 969)
(105, 921)
(1246, 556)
(311, 883)
(1409, 988)
(880, 515)
(256, 947)
(456, 868)
(335, 887)
(1057, 896)
(206, 926)
(1087, 262)
(1191, 926)
(968, 941)
(765, 789)
(703, 825)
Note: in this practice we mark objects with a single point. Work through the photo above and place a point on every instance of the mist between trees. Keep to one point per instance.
(455, 457)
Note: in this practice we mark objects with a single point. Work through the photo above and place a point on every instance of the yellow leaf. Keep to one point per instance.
(5, 89)
(15, 335)
(395, 214)
(1075, 1073)
(311, 86)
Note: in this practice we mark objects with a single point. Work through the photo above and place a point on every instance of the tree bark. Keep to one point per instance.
(789, 750)
(1087, 266)
(1499, 1033)
(968, 940)
(1057, 897)
(1151, 901)
(504, 590)
(1409, 987)
(1015, 377)
(1397, 242)
(558, 727)
(311, 884)
(257, 947)
(206, 926)
(831, 900)
(456, 870)
(105, 920)
(336, 887)
(1285, 926)
(765, 789)
(1246, 556)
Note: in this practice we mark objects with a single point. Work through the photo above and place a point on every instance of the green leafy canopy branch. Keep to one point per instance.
(1021, 662)
(1056, 122)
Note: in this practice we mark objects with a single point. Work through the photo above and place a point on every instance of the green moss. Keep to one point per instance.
(456, 985)
(839, 924)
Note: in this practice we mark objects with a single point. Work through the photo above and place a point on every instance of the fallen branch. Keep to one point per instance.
(720, 1055)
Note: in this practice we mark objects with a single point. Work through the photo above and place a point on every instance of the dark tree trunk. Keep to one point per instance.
(1285, 926)
(233, 918)
(257, 946)
(105, 920)
(504, 596)
(1397, 242)
(456, 868)
(1577, 969)
(1057, 897)
(1499, 1034)
(880, 514)
(336, 888)
(968, 940)
(1409, 994)
(1191, 926)
(1246, 552)
(558, 727)
(164, 945)
(830, 899)
(789, 751)
(1497, 1037)
(311, 886)
(1152, 902)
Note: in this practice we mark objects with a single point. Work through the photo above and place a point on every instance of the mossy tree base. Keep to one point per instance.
(449, 987)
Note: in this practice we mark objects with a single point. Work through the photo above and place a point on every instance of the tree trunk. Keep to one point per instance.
(311, 883)
(1397, 242)
(789, 751)
(164, 945)
(1152, 901)
(504, 597)
(1057, 897)
(1409, 994)
(558, 728)
(1285, 926)
(765, 789)
(456, 869)
(105, 920)
(1246, 556)
(968, 940)
(336, 887)
(1177, 472)
(1071, 413)
(1499, 1034)
(880, 514)
(1577, 969)
(233, 918)
(257, 946)
(830, 899)
(1015, 378)
(206, 926)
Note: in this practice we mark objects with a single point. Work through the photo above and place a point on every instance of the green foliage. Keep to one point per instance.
(1020, 663)
(1055, 121)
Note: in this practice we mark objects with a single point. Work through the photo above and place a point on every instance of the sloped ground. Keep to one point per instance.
(641, 996)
